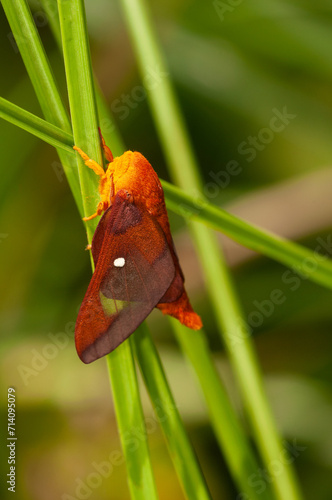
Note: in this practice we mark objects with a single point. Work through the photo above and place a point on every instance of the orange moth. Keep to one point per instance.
(136, 265)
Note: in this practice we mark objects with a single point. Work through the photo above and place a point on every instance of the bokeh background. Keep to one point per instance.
(235, 65)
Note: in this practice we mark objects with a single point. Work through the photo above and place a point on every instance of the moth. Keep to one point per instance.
(136, 265)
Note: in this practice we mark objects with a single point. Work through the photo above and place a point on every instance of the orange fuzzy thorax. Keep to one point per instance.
(133, 173)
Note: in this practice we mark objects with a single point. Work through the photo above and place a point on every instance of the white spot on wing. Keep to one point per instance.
(119, 262)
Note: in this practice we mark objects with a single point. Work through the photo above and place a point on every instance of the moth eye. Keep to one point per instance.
(119, 262)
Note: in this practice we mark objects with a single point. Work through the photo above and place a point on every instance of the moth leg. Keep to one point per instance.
(90, 163)
(103, 204)
(100, 210)
(107, 152)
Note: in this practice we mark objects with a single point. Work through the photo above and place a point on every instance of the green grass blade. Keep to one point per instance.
(85, 128)
(50, 8)
(42, 79)
(308, 263)
(37, 126)
(131, 423)
(82, 101)
(185, 171)
(181, 451)
(237, 339)
(229, 433)
(36, 62)
(109, 130)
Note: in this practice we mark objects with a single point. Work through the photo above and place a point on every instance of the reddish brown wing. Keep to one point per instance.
(176, 289)
(134, 269)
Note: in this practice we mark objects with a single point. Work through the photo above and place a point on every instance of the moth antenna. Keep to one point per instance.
(107, 152)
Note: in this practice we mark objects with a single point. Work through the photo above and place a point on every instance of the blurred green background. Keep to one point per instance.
(235, 68)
